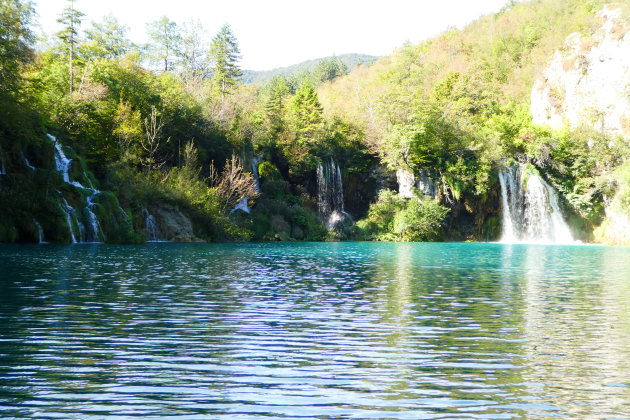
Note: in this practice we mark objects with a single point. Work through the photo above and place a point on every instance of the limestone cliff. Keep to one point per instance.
(588, 80)
(172, 224)
(587, 83)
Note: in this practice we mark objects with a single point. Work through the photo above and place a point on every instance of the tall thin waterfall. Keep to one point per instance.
(93, 232)
(330, 193)
(69, 211)
(153, 232)
(40, 232)
(531, 212)
(255, 161)
(27, 163)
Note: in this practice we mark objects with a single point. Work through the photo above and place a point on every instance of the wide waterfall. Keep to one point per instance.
(330, 193)
(531, 212)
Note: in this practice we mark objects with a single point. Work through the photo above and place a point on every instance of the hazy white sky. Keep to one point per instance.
(277, 33)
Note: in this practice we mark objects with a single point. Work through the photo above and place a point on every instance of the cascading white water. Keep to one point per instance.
(40, 232)
(242, 205)
(62, 163)
(255, 161)
(330, 193)
(153, 232)
(531, 211)
(69, 211)
(28, 164)
(93, 233)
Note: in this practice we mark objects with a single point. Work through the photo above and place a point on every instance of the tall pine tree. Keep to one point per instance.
(275, 106)
(70, 17)
(307, 113)
(224, 56)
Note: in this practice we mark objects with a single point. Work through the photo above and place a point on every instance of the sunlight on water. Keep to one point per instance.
(330, 330)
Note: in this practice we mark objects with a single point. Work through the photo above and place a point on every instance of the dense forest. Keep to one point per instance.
(105, 140)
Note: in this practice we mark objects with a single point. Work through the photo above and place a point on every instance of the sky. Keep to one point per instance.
(279, 33)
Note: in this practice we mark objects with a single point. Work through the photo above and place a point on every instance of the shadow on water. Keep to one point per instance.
(314, 330)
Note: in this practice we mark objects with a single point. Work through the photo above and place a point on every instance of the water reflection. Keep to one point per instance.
(315, 331)
(577, 335)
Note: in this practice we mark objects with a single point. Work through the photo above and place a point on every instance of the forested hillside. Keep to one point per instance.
(320, 68)
(104, 140)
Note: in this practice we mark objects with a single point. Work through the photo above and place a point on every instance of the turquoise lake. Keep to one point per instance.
(314, 330)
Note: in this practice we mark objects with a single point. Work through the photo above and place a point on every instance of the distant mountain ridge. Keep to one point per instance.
(350, 60)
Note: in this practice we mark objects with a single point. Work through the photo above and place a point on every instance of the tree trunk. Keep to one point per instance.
(71, 62)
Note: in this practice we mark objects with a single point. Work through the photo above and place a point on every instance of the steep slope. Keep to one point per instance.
(588, 80)
(457, 109)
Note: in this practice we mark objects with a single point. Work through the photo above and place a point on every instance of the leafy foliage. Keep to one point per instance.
(395, 218)
(456, 107)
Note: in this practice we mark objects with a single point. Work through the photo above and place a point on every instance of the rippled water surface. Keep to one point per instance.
(329, 330)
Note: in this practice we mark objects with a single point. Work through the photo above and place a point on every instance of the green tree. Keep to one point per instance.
(15, 40)
(108, 38)
(194, 52)
(70, 17)
(224, 56)
(420, 220)
(164, 42)
(278, 89)
(307, 115)
(329, 69)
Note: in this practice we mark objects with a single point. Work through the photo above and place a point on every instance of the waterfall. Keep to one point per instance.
(93, 232)
(330, 193)
(27, 163)
(531, 210)
(69, 211)
(255, 161)
(153, 232)
(40, 232)
(426, 185)
(242, 206)
(62, 163)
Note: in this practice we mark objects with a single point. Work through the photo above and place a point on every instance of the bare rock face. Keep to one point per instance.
(172, 224)
(615, 230)
(588, 81)
(587, 84)
(408, 180)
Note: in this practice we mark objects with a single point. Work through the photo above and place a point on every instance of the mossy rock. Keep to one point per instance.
(269, 171)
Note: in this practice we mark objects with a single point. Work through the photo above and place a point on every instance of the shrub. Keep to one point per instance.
(395, 218)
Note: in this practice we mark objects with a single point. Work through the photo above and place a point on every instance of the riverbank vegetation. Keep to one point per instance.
(172, 122)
